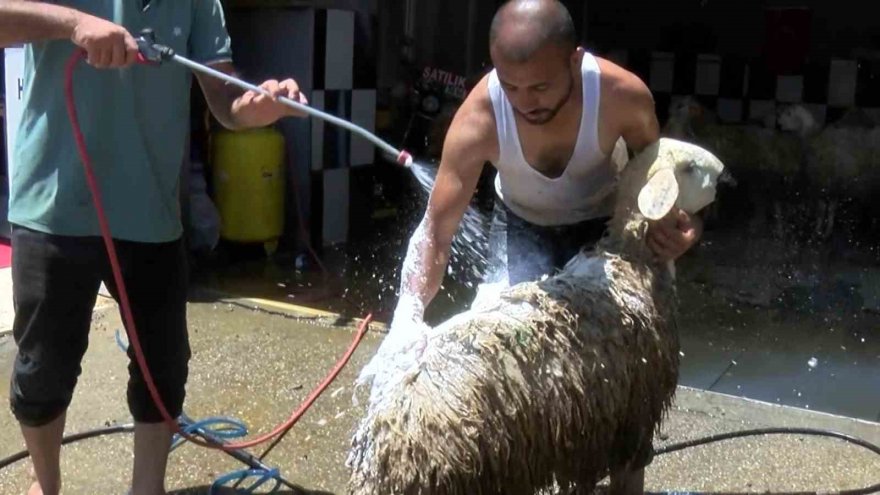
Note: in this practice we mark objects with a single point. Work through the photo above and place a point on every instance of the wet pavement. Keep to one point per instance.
(257, 366)
(792, 328)
(247, 365)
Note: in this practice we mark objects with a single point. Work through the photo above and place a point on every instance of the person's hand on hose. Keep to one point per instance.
(265, 110)
(108, 45)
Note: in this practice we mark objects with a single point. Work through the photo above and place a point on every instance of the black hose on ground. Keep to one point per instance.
(110, 430)
(781, 431)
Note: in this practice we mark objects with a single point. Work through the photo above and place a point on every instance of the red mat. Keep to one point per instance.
(5, 253)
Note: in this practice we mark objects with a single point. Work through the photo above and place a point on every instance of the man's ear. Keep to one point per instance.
(576, 58)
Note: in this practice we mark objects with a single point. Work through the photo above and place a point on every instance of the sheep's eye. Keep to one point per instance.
(691, 167)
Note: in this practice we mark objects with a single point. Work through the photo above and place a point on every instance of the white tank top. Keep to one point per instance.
(584, 190)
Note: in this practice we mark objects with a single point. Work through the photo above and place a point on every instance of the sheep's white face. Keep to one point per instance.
(795, 118)
(684, 108)
(682, 175)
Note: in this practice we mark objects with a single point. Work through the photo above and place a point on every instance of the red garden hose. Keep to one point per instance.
(126, 308)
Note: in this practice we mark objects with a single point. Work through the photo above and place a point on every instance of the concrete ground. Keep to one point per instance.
(814, 346)
(257, 366)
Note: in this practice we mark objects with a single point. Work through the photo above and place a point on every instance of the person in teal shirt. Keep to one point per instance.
(135, 120)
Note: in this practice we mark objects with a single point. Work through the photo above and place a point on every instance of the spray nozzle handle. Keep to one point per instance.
(150, 50)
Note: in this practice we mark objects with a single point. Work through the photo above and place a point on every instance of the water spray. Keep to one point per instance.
(154, 53)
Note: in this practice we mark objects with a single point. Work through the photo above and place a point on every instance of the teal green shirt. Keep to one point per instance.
(135, 122)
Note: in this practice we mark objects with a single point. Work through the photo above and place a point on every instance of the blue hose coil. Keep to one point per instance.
(218, 427)
(262, 477)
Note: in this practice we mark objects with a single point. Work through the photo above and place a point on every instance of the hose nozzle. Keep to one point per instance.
(405, 159)
(151, 52)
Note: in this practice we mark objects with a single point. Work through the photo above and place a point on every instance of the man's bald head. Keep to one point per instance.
(521, 27)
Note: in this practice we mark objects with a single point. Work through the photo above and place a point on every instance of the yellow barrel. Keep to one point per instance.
(248, 172)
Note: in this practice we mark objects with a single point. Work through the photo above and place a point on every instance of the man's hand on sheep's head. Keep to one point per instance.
(673, 235)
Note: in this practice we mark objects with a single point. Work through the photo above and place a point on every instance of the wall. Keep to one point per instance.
(831, 63)
(13, 59)
(4, 137)
(726, 27)
(742, 59)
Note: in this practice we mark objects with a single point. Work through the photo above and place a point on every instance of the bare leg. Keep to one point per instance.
(626, 482)
(151, 444)
(44, 445)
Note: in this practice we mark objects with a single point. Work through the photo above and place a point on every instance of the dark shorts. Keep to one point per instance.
(55, 285)
(531, 251)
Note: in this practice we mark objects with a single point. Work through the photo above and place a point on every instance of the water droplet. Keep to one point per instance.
(813, 362)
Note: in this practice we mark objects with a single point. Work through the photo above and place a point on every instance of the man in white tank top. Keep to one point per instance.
(553, 120)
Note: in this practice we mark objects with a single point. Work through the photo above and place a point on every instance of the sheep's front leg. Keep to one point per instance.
(627, 482)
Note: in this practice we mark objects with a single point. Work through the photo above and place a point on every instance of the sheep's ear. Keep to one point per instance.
(659, 194)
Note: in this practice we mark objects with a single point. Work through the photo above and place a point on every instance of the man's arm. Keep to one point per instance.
(237, 109)
(672, 236)
(22, 22)
(468, 145)
(636, 116)
(108, 45)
